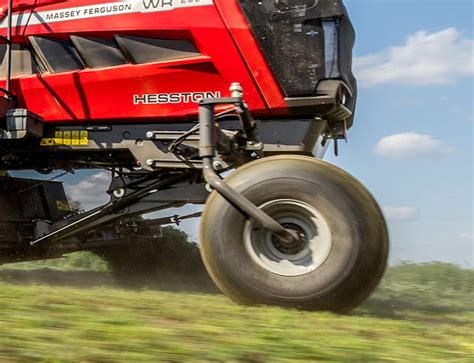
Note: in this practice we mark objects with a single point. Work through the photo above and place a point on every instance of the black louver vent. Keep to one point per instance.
(60, 55)
(98, 53)
(57, 55)
(147, 50)
(23, 63)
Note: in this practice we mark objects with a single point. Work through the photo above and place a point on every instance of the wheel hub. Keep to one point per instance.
(294, 247)
(295, 258)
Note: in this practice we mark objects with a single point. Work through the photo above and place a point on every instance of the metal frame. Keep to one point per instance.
(175, 163)
(208, 149)
(150, 193)
(133, 204)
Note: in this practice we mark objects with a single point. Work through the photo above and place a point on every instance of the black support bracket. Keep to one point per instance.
(207, 151)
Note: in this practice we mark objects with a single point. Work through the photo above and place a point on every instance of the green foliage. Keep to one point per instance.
(420, 313)
(82, 261)
(434, 292)
(437, 276)
(173, 253)
(177, 254)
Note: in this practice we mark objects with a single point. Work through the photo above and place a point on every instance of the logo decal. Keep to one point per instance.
(164, 98)
(105, 9)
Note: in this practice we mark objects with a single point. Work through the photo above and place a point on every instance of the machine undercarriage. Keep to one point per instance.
(153, 167)
(279, 226)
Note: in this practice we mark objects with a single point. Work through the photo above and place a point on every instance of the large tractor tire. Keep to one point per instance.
(338, 264)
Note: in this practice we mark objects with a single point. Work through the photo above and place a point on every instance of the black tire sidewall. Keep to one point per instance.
(335, 195)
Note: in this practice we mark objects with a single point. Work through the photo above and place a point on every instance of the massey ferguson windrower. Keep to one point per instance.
(226, 103)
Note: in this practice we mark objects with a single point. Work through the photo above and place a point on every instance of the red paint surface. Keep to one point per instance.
(220, 32)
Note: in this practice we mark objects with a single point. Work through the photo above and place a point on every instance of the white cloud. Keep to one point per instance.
(400, 213)
(466, 236)
(425, 59)
(410, 145)
(90, 192)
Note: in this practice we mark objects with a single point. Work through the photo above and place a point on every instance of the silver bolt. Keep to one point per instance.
(209, 188)
(149, 134)
(217, 165)
(150, 162)
(119, 193)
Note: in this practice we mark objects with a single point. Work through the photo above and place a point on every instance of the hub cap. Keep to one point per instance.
(293, 259)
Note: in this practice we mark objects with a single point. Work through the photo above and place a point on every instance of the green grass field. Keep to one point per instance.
(72, 310)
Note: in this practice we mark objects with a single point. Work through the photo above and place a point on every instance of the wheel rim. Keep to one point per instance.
(296, 259)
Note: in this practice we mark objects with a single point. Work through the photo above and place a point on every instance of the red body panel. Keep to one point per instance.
(256, 62)
(229, 53)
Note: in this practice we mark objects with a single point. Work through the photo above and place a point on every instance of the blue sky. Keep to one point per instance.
(424, 186)
(411, 143)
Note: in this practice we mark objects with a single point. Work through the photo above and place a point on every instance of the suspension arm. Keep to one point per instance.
(90, 219)
(207, 151)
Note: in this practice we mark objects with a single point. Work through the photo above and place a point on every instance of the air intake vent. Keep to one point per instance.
(148, 50)
(22, 61)
(98, 53)
(57, 55)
